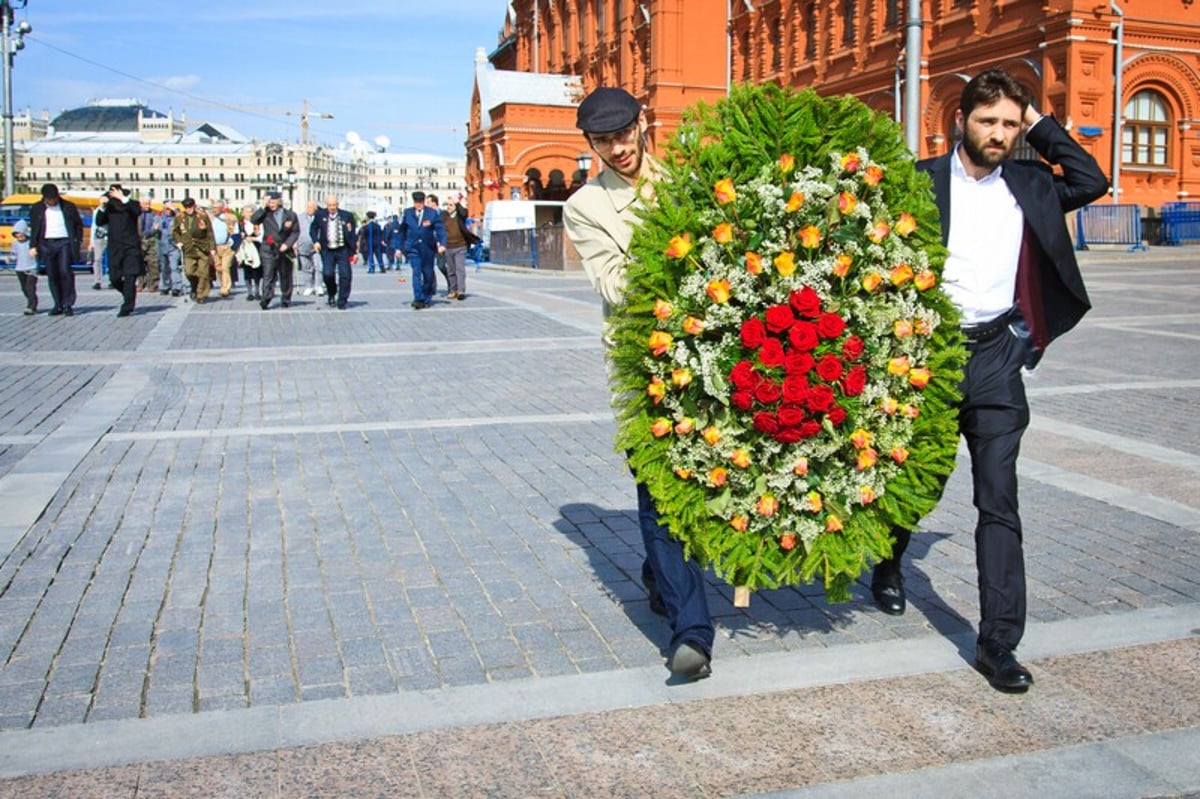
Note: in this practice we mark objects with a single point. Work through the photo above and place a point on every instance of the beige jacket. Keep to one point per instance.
(599, 218)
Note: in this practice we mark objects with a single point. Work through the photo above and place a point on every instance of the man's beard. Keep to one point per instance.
(979, 158)
(631, 171)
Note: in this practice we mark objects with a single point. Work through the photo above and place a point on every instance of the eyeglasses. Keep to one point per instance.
(624, 136)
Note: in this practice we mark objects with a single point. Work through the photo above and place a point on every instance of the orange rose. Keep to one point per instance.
(899, 454)
(786, 163)
(860, 438)
(889, 406)
(866, 495)
(851, 162)
(685, 426)
(872, 281)
(787, 541)
(660, 427)
(901, 274)
(833, 524)
(847, 202)
(922, 327)
(718, 291)
(679, 246)
(723, 233)
(795, 202)
(711, 436)
(879, 231)
(814, 502)
(810, 237)
(660, 342)
(925, 280)
(657, 390)
(801, 466)
(911, 411)
(740, 458)
(718, 476)
(754, 263)
(683, 474)
(920, 377)
(872, 175)
(681, 377)
(725, 191)
(841, 265)
(898, 366)
(866, 459)
(693, 326)
(906, 224)
(662, 309)
(739, 523)
(785, 263)
(767, 505)
(902, 328)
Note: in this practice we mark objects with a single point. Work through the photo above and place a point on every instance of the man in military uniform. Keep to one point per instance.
(194, 235)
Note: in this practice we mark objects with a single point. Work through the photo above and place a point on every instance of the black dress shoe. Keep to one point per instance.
(56, 311)
(124, 312)
(996, 661)
(890, 598)
(689, 663)
(285, 303)
(263, 304)
(68, 311)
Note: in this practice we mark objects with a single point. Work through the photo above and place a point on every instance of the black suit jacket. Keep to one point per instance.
(320, 224)
(37, 225)
(274, 234)
(1053, 299)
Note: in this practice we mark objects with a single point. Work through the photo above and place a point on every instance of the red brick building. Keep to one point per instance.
(1064, 51)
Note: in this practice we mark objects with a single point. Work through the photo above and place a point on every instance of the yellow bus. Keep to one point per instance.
(17, 206)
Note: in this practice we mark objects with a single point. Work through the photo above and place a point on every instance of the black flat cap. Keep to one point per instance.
(607, 110)
(274, 195)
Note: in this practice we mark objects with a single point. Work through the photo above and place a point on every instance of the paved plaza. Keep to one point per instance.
(387, 552)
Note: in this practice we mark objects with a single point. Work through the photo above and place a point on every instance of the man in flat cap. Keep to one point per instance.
(599, 218)
(280, 232)
(55, 236)
(122, 216)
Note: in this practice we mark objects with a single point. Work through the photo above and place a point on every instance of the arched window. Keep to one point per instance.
(1144, 137)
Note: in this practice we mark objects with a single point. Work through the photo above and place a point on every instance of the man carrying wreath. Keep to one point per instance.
(599, 218)
(1012, 272)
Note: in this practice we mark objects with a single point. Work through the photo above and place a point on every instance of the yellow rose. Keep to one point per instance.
(810, 237)
(711, 436)
(906, 224)
(739, 523)
(681, 377)
(723, 233)
(920, 377)
(795, 202)
(754, 263)
(693, 326)
(660, 427)
(841, 265)
(872, 281)
(662, 309)
(679, 246)
(902, 328)
(767, 505)
(718, 291)
(740, 458)
(660, 342)
(685, 426)
(901, 274)
(925, 280)
(657, 390)
(879, 231)
(718, 476)
(725, 191)
(785, 263)
(786, 163)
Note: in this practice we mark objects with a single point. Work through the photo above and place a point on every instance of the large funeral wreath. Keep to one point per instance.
(786, 362)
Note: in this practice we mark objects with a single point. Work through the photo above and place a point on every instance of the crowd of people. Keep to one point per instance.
(194, 248)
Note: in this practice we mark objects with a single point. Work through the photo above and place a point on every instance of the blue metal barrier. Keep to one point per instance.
(1181, 222)
(1109, 224)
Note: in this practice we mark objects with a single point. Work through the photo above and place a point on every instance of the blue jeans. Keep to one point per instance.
(680, 582)
(423, 281)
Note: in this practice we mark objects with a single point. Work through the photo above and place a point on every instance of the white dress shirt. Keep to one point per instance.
(56, 226)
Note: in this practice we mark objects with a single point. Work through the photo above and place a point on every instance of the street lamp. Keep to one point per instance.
(291, 186)
(10, 41)
(584, 161)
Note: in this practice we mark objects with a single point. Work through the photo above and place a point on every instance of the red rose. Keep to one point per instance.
(820, 399)
(742, 400)
(798, 363)
(768, 392)
(855, 382)
(270, 240)
(779, 318)
(743, 375)
(753, 333)
(795, 388)
(766, 423)
(803, 336)
(852, 348)
(830, 325)
(791, 415)
(806, 302)
(771, 353)
(829, 368)
(789, 435)
(810, 429)
(837, 415)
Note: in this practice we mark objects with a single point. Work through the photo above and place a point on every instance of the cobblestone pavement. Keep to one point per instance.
(216, 508)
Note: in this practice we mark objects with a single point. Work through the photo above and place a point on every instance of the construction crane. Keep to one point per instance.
(303, 113)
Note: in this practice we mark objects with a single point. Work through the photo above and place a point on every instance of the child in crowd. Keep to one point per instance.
(26, 266)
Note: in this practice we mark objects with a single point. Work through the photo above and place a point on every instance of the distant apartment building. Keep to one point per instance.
(1139, 115)
(85, 149)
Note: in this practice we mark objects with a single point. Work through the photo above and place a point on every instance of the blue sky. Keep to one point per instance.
(394, 68)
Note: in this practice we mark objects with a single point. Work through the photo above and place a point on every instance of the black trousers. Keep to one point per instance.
(992, 418)
(28, 281)
(125, 270)
(276, 266)
(55, 255)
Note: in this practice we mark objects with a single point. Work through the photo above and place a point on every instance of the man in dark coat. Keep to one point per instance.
(333, 235)
(1012, 273)
(125, 261)
(55, 238)
(280, 232)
